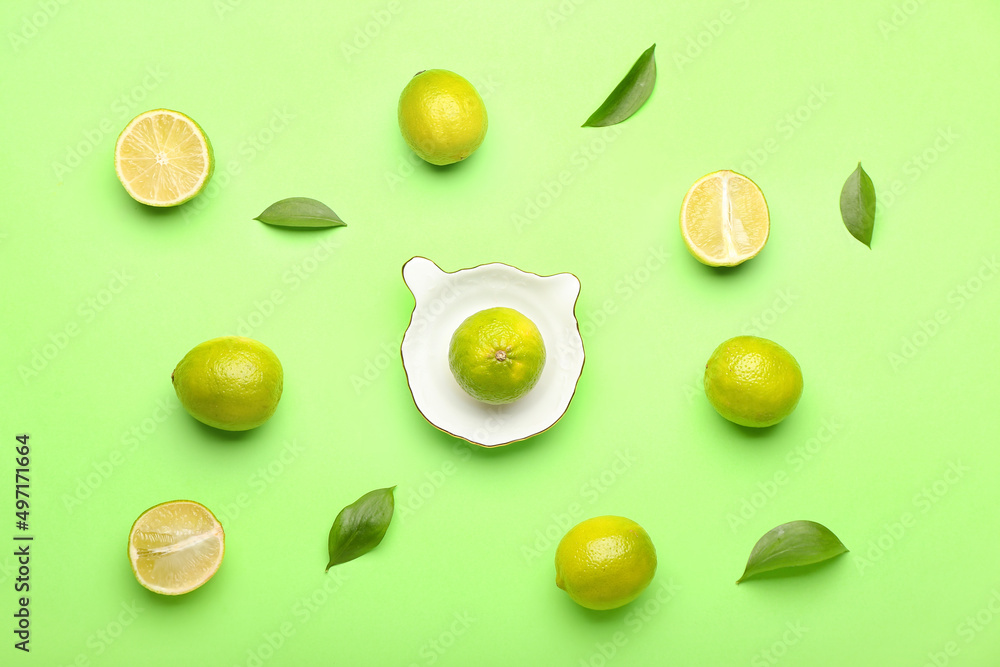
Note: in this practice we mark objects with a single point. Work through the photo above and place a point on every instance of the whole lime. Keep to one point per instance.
(753, 381)
(497, 355)
(232, 383)
(605, 562)
(441, 116)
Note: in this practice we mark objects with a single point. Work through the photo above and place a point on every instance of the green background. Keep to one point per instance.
(893, 445)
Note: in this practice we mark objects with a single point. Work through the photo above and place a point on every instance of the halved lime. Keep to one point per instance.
(176, 547)
(724, 219)
(163, 158)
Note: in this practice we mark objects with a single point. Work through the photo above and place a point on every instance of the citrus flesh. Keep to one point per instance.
(175, 547)
(497, 355)
(232, 383)
(441, 116)
(753, 381)
(605, 562)
(163, 158)
(724, 219)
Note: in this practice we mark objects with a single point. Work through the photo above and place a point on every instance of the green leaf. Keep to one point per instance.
(300, 212)
(360, 526)
(857, 205)
(629, 95)
(792, 544)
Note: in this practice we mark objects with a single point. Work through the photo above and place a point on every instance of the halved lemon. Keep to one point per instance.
(176, 547)
(163, 158)
(724, 219)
